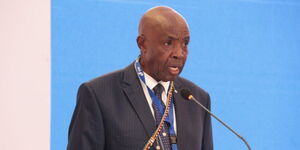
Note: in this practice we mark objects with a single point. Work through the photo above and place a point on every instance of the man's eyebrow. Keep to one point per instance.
(174, 38)
(187, 38)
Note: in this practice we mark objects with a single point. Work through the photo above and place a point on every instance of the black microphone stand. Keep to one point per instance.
(249, 148)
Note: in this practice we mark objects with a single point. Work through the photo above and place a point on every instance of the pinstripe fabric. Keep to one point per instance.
(112, 113)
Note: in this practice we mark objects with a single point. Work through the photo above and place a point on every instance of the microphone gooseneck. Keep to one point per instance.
(187, 94)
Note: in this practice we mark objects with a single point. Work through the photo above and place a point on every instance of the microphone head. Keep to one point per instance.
(187, 94)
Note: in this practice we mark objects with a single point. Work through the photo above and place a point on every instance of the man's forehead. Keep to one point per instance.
(162, 18)
(173, 31)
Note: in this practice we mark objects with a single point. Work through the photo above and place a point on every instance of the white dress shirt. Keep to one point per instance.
(151, 83)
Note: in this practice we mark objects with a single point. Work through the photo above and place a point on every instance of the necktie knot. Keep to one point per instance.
(158, 89)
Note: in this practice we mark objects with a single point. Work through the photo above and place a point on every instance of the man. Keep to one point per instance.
(122, 110)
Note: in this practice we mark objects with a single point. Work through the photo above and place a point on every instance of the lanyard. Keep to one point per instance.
(156, 101)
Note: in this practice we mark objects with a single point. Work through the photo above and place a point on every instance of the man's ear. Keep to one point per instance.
(140, 40)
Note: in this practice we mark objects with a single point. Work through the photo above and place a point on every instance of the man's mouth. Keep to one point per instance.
(174, 70)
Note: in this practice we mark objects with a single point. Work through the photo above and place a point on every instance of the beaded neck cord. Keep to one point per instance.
(166, 113)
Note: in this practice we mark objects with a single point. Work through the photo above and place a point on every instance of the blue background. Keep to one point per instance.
(245, 53)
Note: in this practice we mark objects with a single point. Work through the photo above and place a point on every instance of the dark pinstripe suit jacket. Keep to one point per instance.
(112, 113)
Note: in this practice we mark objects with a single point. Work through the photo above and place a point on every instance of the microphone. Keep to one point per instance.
(187, 94)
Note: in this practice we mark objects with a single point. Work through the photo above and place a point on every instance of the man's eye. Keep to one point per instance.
(186, 43)
(168, 43)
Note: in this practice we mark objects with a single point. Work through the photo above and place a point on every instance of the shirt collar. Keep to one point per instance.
(151, 83)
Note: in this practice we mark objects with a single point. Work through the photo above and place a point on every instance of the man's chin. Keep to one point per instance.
(169, 78)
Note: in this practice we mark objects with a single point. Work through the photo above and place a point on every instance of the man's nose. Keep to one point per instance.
(178, 51)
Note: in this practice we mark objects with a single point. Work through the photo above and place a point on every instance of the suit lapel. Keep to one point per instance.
(181, 107)
(135, 94)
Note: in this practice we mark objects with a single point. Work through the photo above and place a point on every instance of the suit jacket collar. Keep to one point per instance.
(181, 110)
(136, 96)
(134, 91)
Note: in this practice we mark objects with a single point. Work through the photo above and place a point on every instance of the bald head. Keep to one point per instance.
(160, 16)
(163, 39)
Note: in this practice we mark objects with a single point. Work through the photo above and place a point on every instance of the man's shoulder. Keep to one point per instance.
(108, 79)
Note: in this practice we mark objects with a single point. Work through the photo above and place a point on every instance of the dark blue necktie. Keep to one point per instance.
(164, 135)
